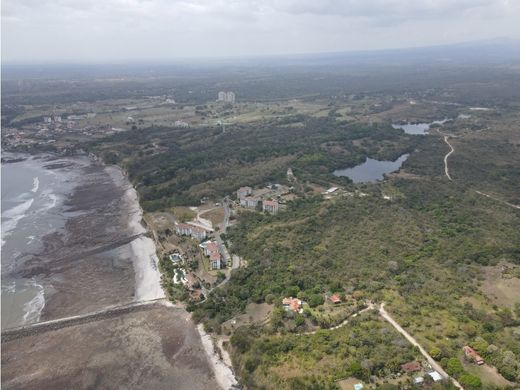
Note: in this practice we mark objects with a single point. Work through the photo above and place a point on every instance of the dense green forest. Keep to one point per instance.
(181, 166)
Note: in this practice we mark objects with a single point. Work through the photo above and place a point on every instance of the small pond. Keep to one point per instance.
(371, 170)
(417, 128)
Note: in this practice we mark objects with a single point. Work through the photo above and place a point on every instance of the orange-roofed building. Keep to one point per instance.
(293, 304)
(411, 366)
(335, 298)
(471, 354)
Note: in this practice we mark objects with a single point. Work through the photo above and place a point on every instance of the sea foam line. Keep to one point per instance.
(34, 307)
(36, 184)
(14, 215)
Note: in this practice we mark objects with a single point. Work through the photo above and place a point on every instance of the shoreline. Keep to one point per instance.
(150, 277)
(223, 373)
(147, 275)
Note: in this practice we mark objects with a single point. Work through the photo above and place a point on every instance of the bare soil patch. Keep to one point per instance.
(501, 287)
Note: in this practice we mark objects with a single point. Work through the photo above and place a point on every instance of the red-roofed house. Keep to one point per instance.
(335, 298)
(212, 250)
(293, 304)
(214, 260)
(472, 355)
(411, 366)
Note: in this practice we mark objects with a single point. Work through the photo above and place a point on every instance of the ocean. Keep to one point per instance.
(32, 197)
(72, 241)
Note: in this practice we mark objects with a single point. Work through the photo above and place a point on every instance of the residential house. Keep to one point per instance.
(472, 355)
(249, 202)
(293, 304)
(199, 233)
(211, 249)
(185, 229)
(215, 260)
(335, 298)
(242, 192)
(411, 366)
(418, 380)
(271, 206)
(435, 376)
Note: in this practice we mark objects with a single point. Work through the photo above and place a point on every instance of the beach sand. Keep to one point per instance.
(157, 348)
(103, 257)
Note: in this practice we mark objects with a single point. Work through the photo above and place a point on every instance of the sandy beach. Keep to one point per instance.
(102, 258)
(223, 373)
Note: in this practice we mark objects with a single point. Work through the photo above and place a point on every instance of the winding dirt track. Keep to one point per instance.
(446, 158)
(452, 149)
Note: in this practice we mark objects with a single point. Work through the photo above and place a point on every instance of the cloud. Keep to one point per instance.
(103, 29)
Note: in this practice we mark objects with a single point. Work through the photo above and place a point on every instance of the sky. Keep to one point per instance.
(39, 31)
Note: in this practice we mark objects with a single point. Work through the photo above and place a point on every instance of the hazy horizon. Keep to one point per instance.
(112, 31)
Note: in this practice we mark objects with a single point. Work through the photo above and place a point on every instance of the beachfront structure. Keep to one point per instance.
(271, 206)
(185, 229)
(242, 192)
(249, 202)
(293, 304)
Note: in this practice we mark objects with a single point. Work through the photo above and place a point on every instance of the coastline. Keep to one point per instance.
(223, 373)
(148, 286)
(103, 256)
(147, 274)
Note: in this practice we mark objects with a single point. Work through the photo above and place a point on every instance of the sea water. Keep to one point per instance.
(31, 203)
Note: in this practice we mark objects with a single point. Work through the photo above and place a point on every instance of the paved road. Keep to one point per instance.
(436, 366)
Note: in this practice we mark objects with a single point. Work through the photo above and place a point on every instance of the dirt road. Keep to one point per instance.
(498, 200)
(345, 322)
(446, 158)
(414, 342)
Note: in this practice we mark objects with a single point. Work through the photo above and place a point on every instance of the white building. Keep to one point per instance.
(249, 202)
(242, 192)
(211, 249)
(271, 206)
(435, 376)
(184, 229)
(230, 97)
(227, 97)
